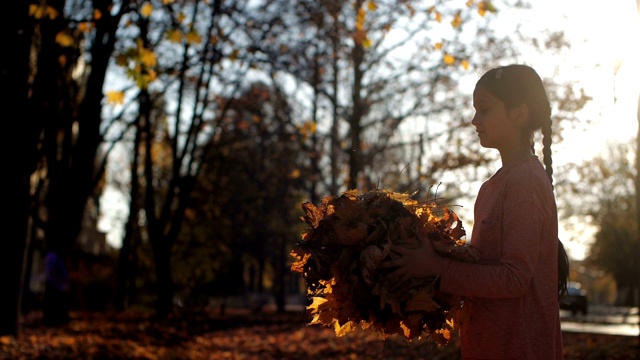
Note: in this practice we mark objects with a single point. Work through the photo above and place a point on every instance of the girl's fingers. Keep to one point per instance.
(392, 263)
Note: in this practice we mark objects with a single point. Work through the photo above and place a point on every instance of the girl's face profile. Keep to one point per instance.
(494, 126)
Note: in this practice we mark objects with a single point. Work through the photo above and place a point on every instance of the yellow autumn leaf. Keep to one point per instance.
(167, 2)
(470, 3)
(422, 301)
(152, 75)
(482, 10)
(438, 45)
(147, 57)
(115, 97)
(295, 174)
(464, 64)
(146, 9)
(366, 43)
(360, 19)
(412, 10)
(234, 55)
(36, 11)
(193, 37)
(51, 12)
(121, 59)
(372, 6)
(457, 21)
(181, 17)
(97, 14)
(448, 59)
(84, 27)
(63, 39)
(174, 35)
(344, 329)
(42, 11)
(438, 16)
(489, 6)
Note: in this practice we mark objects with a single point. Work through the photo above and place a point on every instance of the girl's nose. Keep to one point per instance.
(474, 120)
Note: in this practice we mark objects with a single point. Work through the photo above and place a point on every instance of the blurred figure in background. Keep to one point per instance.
(56, 293)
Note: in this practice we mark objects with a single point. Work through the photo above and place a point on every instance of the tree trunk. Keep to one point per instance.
(125, 260)
(279, 276)
(19, 160)
(355, 121)
(164, 283)
(638, 187)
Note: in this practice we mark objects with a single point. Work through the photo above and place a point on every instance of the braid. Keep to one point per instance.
(563, 258)
(546, 149)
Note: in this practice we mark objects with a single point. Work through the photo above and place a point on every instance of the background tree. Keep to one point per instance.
(607, 199)
(20, 162)
(355, 91)
(248, 229)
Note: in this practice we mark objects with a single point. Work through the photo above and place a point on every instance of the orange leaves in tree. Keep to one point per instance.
(115, 97)
(342, 251)
(140, 64)
(42, 11)
(64, 39)
(146, 9)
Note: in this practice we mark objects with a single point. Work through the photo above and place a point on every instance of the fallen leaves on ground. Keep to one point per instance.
(243, 335)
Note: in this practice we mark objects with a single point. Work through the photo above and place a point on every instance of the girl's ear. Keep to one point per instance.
(519, 114)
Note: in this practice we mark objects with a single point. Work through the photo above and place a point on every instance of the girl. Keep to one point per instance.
(512, 294)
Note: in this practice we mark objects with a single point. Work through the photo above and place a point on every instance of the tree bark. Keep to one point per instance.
(638, 189)
(19, 156)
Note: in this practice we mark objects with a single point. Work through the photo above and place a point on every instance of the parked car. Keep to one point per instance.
(575, 299)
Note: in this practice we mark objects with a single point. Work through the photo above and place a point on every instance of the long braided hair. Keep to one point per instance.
(517, 84)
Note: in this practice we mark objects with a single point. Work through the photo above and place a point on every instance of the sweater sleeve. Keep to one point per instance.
(510, 251)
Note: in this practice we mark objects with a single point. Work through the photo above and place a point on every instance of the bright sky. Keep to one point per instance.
(603, 36)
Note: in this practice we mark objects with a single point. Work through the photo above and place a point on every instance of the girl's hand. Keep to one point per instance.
(414, 263)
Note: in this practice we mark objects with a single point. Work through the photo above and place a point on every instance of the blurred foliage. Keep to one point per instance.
(607, 198)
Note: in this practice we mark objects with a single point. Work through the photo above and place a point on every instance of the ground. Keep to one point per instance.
(243, 335)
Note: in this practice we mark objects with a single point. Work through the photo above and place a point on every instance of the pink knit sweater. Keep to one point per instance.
(513, 297)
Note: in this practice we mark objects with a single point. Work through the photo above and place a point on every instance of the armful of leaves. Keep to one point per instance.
(340, 253)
